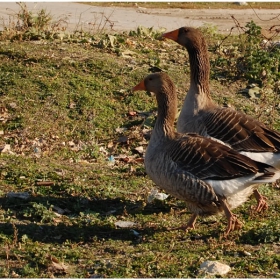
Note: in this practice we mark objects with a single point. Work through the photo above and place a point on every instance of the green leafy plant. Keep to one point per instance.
(41, 212)
(249, 58)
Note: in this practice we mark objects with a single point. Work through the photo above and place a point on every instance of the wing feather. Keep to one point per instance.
(207, 159)
(242, 132)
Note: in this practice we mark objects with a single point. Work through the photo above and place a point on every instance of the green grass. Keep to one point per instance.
(67, 105)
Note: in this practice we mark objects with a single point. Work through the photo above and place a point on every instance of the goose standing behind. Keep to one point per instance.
(201, 115)
(209, 176)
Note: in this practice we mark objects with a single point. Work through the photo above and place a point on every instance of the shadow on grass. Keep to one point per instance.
(61, 232)
(74, 228)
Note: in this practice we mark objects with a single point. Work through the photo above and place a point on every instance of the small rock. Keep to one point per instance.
(21, 195)
(124, 224)
(214, 268)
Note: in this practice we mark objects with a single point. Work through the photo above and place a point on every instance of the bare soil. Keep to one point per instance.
(117, 19)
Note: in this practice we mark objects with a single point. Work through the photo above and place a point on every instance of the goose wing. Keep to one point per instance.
(242, 132)
(207, 159)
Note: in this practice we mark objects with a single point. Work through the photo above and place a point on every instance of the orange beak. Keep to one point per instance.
(140, 86)
(173, 35)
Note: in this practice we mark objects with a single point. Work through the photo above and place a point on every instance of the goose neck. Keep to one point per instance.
(167, 109)
(200, 71)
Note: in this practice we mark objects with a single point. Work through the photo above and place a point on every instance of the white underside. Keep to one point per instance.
(272, 159)
(237, 191)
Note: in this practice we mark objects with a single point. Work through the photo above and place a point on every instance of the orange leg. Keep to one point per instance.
(233, 222)
(262, 205)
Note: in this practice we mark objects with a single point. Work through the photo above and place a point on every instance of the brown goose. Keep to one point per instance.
(209, 176)
(201, 115)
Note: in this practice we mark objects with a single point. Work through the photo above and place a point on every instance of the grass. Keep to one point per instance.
(68, 114)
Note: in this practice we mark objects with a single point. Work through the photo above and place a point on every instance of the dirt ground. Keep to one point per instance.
(79, 15)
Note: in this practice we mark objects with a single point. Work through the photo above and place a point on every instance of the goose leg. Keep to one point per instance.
(233, 222)
(262, 205)
(190, 223)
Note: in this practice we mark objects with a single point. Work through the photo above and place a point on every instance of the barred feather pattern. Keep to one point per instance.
(198, 195)
(207, 159)
(193, 168)
(201, 115)
(241, 132)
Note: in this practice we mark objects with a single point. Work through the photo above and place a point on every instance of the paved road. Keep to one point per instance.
(82, 16)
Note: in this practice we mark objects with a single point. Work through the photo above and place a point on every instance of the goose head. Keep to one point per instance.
(164, 89)
(192, 39)
(188, 37)
(162, 86)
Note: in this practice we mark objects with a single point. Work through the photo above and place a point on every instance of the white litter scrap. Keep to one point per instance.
(155, 194)
(135, 233)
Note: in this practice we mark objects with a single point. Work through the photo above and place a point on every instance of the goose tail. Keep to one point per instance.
(271, 176)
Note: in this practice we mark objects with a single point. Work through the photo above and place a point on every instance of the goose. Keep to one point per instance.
(209, 176)
(201, 115)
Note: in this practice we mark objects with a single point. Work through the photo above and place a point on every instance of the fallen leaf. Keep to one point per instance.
(110, 145)
(121, 129)
(103, 150)
(139, 160)
(132, 113)
(59, 266)
(130, 42)
(6, 149)
(139, 149)
(4, 114)
(112, 40)
(128, 54)
(56, 265)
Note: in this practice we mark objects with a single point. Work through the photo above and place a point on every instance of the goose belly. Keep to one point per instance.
(161, 175)
(183, 186)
